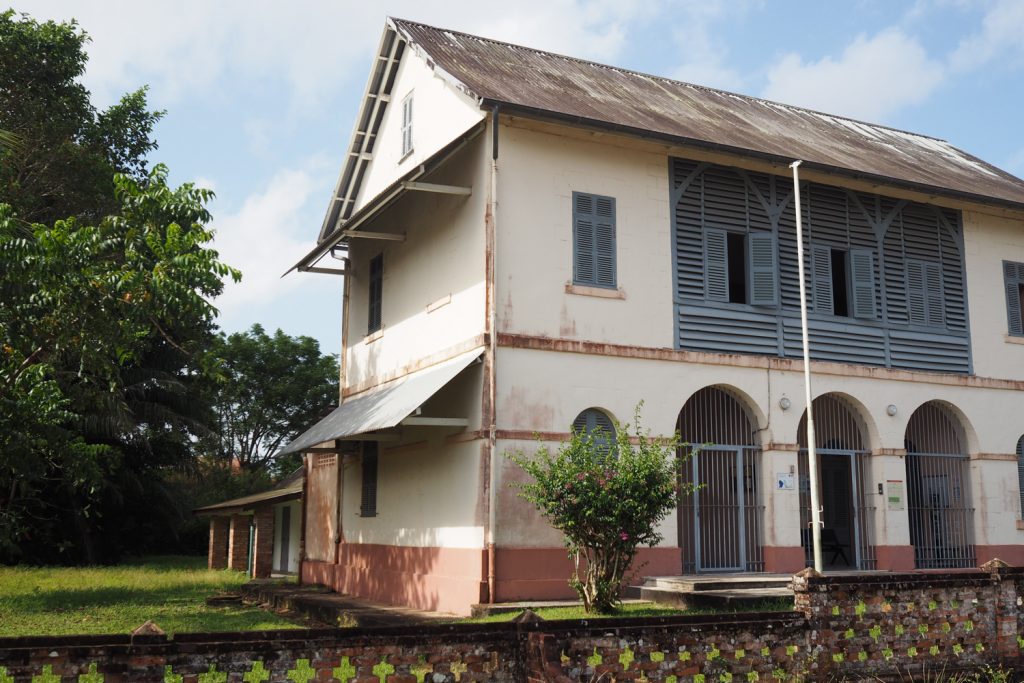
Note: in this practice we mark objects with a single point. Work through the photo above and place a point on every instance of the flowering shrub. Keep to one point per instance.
(607, 502)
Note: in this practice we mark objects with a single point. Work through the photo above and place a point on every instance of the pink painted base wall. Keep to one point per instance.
(543, 573)
(435, 579)
(894, 558)
(784, 559)
(1013, 555)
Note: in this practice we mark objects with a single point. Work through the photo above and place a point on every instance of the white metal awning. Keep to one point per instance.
(385, 406)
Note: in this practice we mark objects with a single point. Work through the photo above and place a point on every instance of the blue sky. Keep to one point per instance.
(261, 94)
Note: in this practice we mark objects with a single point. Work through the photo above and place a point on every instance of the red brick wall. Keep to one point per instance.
(263, 543)
(217, 557)
(238, 543)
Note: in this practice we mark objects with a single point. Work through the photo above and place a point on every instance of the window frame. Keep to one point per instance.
(407, 114)
(1013, 283)
(369, 463)
(375, 295)
(602, 252)
(589, 420)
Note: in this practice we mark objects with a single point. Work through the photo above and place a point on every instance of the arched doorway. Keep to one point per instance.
(720, 525)
(847, 533)
(938, 489)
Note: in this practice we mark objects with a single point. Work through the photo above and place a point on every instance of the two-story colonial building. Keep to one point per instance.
(531, 241)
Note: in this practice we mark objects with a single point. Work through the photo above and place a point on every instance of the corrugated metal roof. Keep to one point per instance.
(384, 406)
(543, 83)
(290, 488)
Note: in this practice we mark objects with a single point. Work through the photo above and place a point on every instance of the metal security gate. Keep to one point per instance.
(720, 525)
(843, 472)
(938, 490)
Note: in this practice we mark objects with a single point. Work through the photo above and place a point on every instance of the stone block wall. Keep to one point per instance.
(869, 627)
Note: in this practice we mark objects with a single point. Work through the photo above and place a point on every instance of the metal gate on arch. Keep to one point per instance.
(721, 524)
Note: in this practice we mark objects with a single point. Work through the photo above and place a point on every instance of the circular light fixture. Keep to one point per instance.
(890, 410)
(785, 403)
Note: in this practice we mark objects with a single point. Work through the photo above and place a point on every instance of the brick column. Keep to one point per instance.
(238, 543)
(218, 554)
(263, 544)
(1005, 602)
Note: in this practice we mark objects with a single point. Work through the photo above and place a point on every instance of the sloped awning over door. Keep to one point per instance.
(384, 406)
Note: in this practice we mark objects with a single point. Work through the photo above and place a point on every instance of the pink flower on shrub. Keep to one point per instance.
(581, 476)
(624, 536)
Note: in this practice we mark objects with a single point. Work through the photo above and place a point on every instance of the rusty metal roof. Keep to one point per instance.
(549, 85)
(290, 488)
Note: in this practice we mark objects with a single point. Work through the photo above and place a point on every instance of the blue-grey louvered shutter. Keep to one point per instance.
(916, 303)
(764, 284)
(821, 269)
(716, 272)
(604, 241)
(1013, 277)
(596, 423)
(583, 239)
(862, 281)
(933, 294)
(1020, 473)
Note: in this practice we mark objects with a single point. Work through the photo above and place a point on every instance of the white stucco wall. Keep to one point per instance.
(440, 114)
(990, 240)
(434, 290)
(537, 176)
(543, 391)
(428, 483)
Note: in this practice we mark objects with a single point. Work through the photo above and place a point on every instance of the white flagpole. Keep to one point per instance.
(812, 454)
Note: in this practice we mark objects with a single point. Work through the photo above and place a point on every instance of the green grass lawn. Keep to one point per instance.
(645, 609)
(169, 590)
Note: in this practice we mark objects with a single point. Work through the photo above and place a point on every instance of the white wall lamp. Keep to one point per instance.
(890, 410)
(785, 403)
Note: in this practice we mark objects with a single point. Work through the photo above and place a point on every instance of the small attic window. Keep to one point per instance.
(407, 124)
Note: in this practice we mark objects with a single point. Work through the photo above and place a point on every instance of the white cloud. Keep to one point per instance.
(270, 232)
(703, 55)
(191, 48)
(873, 78)
(1000, 34)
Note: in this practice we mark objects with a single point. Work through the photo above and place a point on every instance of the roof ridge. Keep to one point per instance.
(643, 74)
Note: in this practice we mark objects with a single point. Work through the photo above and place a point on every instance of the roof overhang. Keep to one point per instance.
(363, 416)
(249, 503)
(515, 109)
(386, 198)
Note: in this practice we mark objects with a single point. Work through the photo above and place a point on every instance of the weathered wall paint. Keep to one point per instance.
(439, 115)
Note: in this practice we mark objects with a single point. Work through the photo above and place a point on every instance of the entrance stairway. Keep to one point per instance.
(714, 591)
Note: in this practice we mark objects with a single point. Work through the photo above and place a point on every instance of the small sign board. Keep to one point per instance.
(894, 494)
(785, 481)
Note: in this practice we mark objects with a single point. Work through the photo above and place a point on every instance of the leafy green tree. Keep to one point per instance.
(606, 501)
(102, 327)
(68, 152)
(274, 388)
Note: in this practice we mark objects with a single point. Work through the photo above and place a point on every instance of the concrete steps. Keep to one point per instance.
(734, 591)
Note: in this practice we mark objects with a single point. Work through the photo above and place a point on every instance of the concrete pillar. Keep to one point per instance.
(263, 544)
(238, 543)
(218, 553)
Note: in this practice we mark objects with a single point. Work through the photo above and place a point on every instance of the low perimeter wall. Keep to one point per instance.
(872, 627)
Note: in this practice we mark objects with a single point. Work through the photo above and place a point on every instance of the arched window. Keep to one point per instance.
(1020, 472)
(596, 423)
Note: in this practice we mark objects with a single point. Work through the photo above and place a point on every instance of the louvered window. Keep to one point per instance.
(407, 124)
(924, 293)
(593, 239)
(1013, 277)
(1020, 473)
(740, 268)
(600, 427)
(376, 293)
(844, 282)
(368, 505)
